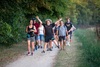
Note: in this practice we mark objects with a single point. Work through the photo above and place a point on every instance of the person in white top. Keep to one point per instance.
(41, 35)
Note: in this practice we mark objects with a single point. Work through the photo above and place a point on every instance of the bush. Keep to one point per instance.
(5, 34)
(90, 45)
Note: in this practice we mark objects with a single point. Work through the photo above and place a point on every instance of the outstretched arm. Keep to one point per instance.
(38, 19)
(58, 21)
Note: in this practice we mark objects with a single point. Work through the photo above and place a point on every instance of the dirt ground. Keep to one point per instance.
(37, 60)
(68, 58)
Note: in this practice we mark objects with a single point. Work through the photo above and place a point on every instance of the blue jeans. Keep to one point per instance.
(41, 37)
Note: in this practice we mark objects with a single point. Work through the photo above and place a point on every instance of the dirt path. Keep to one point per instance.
(68, 58)
(37, 60)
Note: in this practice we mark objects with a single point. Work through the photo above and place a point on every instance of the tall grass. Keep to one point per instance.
(90, 46)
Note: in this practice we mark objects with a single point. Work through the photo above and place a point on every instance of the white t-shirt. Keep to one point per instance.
(41, 29)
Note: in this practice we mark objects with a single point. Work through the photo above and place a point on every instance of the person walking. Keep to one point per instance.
(30, 30)
(36, 24)
(41, 32)
(62, 31)
(55, 28)
(49, 34)
(69, 26)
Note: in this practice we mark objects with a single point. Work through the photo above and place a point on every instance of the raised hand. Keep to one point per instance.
(37, 17)
(60, 19)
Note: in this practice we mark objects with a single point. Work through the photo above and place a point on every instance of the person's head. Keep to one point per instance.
(31, 22)
(48, 21)
(61, 23)
(68, 20)
(34, 20)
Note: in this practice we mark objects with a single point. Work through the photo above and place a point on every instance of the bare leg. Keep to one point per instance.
(50, 43)
(68, 40)
(55, 42)
(64, 42)
(29, 49)
(41, 43)
(32, 46)
(45, 46)
(61, 44)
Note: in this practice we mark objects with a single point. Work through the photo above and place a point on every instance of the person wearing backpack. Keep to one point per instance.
(30, 30)
(55, 28)
(62, 31)
(69, 26)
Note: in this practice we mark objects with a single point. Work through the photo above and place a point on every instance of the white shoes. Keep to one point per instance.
(67, 43)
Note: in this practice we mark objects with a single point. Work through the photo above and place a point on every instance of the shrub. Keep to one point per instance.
(5, 34)
(90, 46)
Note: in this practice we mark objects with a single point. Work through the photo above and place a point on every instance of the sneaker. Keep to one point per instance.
(32, 53)
(50, 49)
(41, 47)
(43, 51)
(36, 47)
(28, 53)
(58, 47)
(68, 44)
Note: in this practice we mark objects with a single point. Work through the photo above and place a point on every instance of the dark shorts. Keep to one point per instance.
(61, 38)
(48, 38)
(69, 33)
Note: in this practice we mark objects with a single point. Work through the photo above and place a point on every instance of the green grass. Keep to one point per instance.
(9, 54)
(71, 57)
(90, 47)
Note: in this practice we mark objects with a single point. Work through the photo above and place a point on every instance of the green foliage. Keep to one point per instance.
(90, 46)
(18, 26)
(17, 13)
(5, 34)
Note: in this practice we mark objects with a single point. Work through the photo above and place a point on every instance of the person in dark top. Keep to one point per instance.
(48, 33)
(30, 29)
(69, 25)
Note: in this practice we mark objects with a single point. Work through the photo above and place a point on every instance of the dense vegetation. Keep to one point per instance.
(90, 47)
(15, 15)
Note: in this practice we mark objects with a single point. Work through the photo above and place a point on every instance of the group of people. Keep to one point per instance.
(41, 35)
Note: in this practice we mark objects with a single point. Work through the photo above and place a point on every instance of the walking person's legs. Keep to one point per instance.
(28, 47)
(41, 40)
(64, 42)
(68, 41)
(36, 41)
(46, 43)
(50, 43)
(32, 48)
(61, 42)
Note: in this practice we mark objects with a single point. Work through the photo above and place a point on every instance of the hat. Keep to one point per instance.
(49, 20)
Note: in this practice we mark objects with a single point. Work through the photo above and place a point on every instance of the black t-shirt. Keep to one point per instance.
(49, 29)
(30, 32)
(68, 25)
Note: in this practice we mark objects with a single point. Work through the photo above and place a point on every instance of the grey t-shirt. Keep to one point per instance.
(62, 30)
